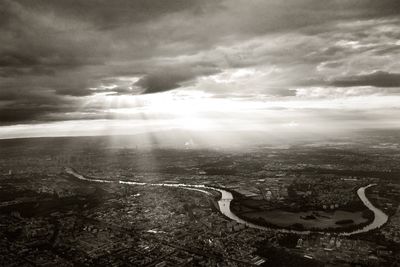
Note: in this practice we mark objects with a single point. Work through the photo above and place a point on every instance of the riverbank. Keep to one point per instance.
(335, 221)
(227, 197)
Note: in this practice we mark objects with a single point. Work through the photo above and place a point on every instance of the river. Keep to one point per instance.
(380, 218)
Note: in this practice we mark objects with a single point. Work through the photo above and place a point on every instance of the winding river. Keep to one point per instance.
(380, 218)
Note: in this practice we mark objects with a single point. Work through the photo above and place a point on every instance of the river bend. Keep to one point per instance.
(380, 218)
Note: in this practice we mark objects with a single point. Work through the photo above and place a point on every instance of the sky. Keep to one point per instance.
(95, 67)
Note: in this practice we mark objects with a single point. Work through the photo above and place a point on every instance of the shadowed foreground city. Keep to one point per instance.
(87, 201)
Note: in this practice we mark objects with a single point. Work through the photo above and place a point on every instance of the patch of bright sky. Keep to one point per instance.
(197, 110)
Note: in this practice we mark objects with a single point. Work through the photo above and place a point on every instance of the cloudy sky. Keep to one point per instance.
(83, 67)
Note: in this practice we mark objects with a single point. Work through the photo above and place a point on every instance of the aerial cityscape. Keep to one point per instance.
(99, 205)
(199, 133)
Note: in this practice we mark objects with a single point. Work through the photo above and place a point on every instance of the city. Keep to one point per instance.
(51, 217)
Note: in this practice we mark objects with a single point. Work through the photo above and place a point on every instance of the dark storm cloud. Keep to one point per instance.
(108, 15)
(27, 113)
(33, 105)
(172, 77)
(376, 79)
(53, 54)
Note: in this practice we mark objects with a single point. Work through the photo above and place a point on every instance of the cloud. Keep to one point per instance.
(54, 55)
(119, 13)
(375, 79)
(172, 77)
(32, 106)
(281, 92)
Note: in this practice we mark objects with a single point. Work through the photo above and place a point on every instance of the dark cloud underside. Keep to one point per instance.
(172, 78)
(376, 79)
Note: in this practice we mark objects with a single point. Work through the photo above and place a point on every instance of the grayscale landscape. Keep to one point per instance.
(199, 133)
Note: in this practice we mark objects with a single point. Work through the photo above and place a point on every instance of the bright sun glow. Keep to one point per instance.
(196, 110)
